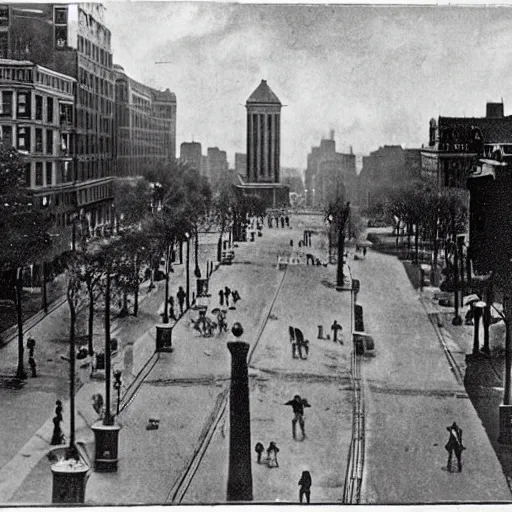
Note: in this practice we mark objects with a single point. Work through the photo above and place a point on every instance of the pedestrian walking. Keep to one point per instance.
(272, 452)
(298, 404)
(227, 293)
(31, 345)
(221, 297)
(291, 242)
(282, 222)
(33, 366)
(305, 486)
(58, 408)
(181, 298)
(236, 296)
(259, 449)
(287, 220)
(335, 327)
(454, 444)
(364, 252)
(57, 436)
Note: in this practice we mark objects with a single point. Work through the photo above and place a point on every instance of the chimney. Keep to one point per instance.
(332, 135)
(351, 152)
(495, 110)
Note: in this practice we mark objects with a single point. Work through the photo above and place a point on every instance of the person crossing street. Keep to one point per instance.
(298, 404)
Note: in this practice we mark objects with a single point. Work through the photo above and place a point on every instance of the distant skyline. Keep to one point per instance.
(374, 74)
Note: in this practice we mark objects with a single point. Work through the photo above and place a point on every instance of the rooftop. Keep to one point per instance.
(494, 129)
(263, 94)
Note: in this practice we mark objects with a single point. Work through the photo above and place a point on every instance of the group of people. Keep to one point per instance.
(181, 295)
(278, 219)
(272, 452)
(225, 294)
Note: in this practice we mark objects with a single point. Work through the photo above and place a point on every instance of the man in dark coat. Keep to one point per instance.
(454, 444)
(227, 293)
(181, 298)
(298, 405)
(221, 297)
(305, 486)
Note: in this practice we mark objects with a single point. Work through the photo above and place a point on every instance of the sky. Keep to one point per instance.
(374, 74)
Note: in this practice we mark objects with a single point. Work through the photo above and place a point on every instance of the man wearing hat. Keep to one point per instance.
(454, 444)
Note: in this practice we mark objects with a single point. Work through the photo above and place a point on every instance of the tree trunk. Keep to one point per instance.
(137, 287)
(44, 280)
(90, 332)
(72, 354)
(416, 243)
(20, 372)
(219, 248)
(340, 278)
(507, 303)
(108, 417)
(397, 232)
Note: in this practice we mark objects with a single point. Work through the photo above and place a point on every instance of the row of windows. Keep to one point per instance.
(95, 102)
(45, 141)
(59, 84)
(148, 122)
(96, 83)
(131, 149)
(94, 169)
(47, 174)
(96, 53)
(93, 143)
(44, 108)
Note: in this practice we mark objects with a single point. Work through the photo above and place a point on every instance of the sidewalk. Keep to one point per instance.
(411, 396)
(29, 410)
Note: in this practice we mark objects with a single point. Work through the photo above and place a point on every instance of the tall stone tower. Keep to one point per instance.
(263, 135)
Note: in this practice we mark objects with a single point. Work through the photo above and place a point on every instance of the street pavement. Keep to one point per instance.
(410, 392)
(411, 397)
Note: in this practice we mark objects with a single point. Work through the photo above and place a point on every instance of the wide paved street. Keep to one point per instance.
(410, 396)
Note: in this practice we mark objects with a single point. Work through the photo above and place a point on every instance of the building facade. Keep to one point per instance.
(329, 173)
(72, 39)
(191, 153)
(216, 165)
(145, 131)
(241, 164)
(456, 144)
(264, 148)
(36, 118)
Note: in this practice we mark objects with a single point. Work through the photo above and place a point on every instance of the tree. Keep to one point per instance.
(132, 200)
(223, 205)
(338, 213)
(23, 230)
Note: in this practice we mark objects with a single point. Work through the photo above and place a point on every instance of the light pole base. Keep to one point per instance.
(106, 441)
(457, 320)
(164, 338)
(505, 435)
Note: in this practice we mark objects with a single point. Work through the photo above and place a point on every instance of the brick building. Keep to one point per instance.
(145, 126)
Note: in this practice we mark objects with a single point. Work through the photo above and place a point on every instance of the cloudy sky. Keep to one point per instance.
(375, 75)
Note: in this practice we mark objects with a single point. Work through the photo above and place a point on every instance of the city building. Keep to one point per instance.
(413, 163)
(72, 39)
(456, 144)
(241, 164)
(36, 117)
(329, 173)
(216, 165)
(145, 126)
(191, 153)
(292, 177)
(382, 170)
(263, 148)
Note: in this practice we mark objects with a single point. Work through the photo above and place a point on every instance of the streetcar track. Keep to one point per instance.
(182, 484)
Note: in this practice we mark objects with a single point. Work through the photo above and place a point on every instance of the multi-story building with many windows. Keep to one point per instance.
(145, 126)
(72, 39)
(36, 117)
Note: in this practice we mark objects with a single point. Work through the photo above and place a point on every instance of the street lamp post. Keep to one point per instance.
(106, 434)
(20, 372)
(197, 270)
(165, 318)
(187, 235)
(505, 411)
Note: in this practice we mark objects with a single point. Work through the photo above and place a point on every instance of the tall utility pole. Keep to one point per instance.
(340, 213)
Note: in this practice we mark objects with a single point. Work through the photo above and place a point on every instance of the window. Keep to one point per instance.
(39, 108)
(61, 37)
(49, 142)
(66, 114)
(23, 138)
(4, 16)
(23, 109)
(49, 110)
(61, 15)
(6, 107)
(4, 44)
(7, 134)
(39, 140)
(39, 174)
(49, 169)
